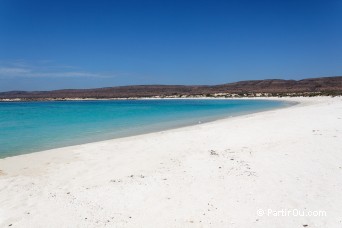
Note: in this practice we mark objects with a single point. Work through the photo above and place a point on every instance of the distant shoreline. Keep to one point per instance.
(170, 97)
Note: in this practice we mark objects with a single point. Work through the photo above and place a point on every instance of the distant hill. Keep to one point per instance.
(269, 87)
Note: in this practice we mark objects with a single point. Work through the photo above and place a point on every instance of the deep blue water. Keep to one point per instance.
(34, 126)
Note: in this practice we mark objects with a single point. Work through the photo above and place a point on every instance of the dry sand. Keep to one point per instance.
(218, 174)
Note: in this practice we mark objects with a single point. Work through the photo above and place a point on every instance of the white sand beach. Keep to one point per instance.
(279, 168)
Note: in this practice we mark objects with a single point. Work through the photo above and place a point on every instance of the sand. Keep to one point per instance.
(279, 168)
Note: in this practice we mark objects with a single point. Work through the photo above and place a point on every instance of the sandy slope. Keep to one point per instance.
(217, 174)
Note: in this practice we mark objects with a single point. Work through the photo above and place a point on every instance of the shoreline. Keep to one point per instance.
(287, 104)
(168, 126)
(213, 174)
(161, 98)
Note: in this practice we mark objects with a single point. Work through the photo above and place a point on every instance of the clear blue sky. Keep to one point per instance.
(82, 44)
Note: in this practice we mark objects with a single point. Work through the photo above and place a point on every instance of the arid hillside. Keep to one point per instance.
(311, 86)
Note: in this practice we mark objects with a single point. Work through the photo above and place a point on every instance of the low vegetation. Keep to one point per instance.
(327, 86)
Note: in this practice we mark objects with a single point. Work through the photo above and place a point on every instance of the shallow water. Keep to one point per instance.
(34, 126)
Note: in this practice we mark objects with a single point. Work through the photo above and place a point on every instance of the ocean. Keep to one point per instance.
(27, 127)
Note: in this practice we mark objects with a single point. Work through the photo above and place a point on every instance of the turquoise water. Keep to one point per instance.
(34, 126)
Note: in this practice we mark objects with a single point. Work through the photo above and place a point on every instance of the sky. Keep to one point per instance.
(46, 45)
